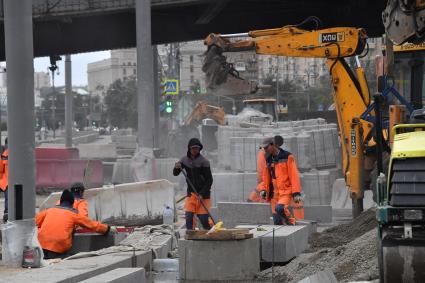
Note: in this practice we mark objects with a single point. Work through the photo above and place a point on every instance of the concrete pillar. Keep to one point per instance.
(145, 80)
(68, 102)
(20, 103)
(156, 97)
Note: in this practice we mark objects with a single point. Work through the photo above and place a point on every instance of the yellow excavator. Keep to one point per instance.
(201, 111)
(351, 97)
(400, 193)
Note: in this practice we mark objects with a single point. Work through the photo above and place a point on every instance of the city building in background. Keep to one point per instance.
(192, 79)
(101, 74)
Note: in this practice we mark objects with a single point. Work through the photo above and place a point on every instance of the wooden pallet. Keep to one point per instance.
(222, 235)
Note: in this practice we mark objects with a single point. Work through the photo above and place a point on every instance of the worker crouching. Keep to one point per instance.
(199, 176)
(281, 182)
(56, 225)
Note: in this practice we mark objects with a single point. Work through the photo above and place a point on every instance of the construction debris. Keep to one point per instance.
(348, 250)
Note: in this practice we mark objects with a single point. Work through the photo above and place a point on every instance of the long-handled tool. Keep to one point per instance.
(197, 194)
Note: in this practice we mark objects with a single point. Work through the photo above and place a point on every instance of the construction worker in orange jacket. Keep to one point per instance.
(261, 164)
(56, 226)
(281, 182)
(80, 204)
(4, 175)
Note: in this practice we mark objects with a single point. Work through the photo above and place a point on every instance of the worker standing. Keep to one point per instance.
(56, 225)
(199, 175)
(4, 174)
(261, 164)
(281, 182)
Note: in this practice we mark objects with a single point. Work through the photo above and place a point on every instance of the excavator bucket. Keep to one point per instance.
(221, 77)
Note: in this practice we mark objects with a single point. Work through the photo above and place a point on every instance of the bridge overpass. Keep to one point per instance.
(75, 26)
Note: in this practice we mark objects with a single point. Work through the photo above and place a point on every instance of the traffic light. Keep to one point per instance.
(168, 106)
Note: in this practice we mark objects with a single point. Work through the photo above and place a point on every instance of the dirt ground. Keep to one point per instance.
(348, 250)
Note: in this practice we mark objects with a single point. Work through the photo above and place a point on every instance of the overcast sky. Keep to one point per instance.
(79, 66)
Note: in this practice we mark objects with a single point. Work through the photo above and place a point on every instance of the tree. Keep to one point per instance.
(121, 104)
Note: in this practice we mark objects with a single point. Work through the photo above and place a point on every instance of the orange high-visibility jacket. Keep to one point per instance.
(284, 175)
(80, 205)
(56, 225)
(4, 170)
(261, 164)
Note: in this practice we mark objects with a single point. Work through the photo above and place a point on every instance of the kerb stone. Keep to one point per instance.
(287, 243)
(120, 275)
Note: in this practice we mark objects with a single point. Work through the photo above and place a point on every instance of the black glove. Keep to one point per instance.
(297, 197)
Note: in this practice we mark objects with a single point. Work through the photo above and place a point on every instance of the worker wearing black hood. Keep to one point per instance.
(199, 173)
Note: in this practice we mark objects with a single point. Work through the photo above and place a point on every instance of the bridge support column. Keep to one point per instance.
(21, 124)
(68, 102)
(20, 104)
(145, 78)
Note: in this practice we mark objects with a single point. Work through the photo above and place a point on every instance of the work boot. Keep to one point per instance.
(5, 217)
(290, 221)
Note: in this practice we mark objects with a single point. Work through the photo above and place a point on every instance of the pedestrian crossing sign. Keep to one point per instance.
(171, 87)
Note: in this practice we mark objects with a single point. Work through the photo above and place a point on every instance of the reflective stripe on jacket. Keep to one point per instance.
(281, 177)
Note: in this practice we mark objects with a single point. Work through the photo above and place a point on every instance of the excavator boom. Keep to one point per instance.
(351, 90)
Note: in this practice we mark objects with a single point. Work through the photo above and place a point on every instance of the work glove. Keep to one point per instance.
(263, 194)
(113, 229)
(178, 165)
(297, 197)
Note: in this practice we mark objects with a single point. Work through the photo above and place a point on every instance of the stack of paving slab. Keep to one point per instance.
(125, 140)
(234, 187)
(313, 142)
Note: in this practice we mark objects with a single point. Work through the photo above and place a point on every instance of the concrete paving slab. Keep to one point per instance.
(219, 260)
(239, 213)
(70, 271)
(120, 275)
(319, 213)
(289, 242)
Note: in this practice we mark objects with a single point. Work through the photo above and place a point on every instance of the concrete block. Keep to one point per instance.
(86, 242)
(219, 260)
(108, 171)
(311, 224)
(289, 242)
(316, 186)
(120, 275)
(100, 151)
(239, 213)
(133, 204)
(234, 187)
(163, 169)
(320, 213)
(122, 172)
